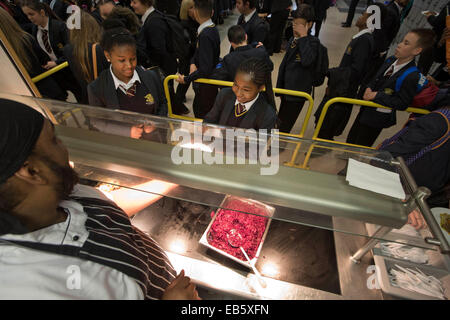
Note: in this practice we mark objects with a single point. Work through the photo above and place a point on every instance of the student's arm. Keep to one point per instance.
(360, 57)
(402, 99)
(269, 120)
(206, 58)
(214, 114)
(162, 108)
(93, 98)
(223, 72)
(308, 50)
(421, 133)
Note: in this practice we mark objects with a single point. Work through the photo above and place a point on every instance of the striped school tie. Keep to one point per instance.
(47, 46)
(130, 92)
(239, 109)
(390, 71)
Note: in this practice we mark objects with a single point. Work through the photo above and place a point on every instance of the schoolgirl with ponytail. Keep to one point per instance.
(246, 105)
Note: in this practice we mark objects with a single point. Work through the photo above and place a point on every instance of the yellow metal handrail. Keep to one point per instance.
(352, 102)
(230, 84)
(50, 72)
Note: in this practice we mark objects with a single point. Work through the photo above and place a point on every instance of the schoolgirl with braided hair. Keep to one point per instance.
(246, 105)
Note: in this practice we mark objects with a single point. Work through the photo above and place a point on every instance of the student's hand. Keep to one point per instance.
(300, 30)
(416, 220)
(181, 288)
(433, 80)
(180, 79)
(49, 65)
(262, 15)
(136, 131)
(260, 44)
(192, 68)
(369, 94)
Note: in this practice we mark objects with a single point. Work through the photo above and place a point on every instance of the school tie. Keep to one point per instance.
(390, 71)
(241, 20)
(47, 46)
(240, 109)
(130, 92)
(294, 43)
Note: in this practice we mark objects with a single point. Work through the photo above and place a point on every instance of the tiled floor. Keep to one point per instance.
(335, 38)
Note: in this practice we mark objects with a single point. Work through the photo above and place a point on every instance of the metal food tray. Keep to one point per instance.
(269, 212)
(384, 264)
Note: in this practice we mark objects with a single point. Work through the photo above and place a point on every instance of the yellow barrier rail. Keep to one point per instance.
(50, 72)
(352, 102)
(230, 84)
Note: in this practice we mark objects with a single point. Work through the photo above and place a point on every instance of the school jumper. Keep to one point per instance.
(261, 114)
(148, 98)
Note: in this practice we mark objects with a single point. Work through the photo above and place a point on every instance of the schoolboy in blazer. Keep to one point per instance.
(205, 59)
(296, 69)
(154, 36)
(226, 70)
(356, 59)
(255, 28)
(382, 89)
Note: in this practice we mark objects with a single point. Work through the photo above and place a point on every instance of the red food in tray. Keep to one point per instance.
(250, 226)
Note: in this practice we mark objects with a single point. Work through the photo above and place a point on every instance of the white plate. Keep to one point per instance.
(436, 214)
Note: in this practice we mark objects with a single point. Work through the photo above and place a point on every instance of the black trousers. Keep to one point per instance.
(352, 9)
(362, 134)
(205, 96)
(288, 114)
(317, 28)
(277, 23)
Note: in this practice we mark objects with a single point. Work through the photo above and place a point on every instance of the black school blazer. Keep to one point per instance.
(58, 36)
(396, 100)
(224, 107)
(102, 92)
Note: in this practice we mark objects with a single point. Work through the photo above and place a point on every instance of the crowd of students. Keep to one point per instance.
(123, 50)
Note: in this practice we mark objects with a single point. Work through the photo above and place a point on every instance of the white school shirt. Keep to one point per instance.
(41, 43)
(249, 104)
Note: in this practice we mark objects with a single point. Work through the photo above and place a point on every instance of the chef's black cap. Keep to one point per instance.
(20, 127)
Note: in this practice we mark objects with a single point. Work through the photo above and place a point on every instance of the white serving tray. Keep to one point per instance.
(269, 212)
(384, 264)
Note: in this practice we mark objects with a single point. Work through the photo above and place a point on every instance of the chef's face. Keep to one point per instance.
(123, 61)
(244, 88)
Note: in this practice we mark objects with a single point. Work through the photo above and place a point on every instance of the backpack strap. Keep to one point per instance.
(445, 113)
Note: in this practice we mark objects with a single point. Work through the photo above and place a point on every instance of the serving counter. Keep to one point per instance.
(322, 234)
